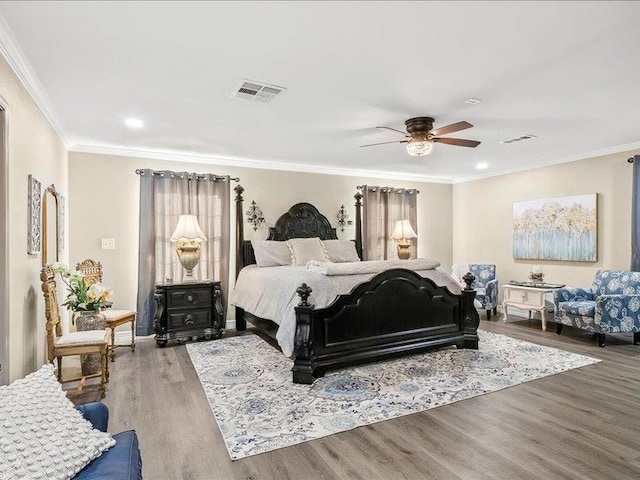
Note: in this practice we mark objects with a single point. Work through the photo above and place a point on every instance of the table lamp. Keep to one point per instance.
(403, 233)
(188, 237)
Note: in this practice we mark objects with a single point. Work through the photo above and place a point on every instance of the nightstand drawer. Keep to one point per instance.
(189, 319)
(192, 297)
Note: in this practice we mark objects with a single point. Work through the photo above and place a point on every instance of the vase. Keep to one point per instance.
(90, 320)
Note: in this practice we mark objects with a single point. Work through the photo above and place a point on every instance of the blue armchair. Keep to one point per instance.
(120, 462)
(611, 305)
(485, 284)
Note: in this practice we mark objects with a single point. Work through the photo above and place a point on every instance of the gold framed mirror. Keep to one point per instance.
(50, 224)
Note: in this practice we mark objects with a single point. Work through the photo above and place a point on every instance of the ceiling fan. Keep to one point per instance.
(420, 136)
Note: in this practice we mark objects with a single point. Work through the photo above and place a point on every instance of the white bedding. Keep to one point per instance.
(370, 266)
(271, 293)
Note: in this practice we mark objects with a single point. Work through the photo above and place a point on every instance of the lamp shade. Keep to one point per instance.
(403, 231)
(188, 229)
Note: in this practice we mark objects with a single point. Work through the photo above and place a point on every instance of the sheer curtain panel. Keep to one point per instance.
(164, 196)
(382, 207)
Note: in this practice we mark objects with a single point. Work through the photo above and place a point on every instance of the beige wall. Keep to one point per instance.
(33, 148)
(482, 225)
(105, 190)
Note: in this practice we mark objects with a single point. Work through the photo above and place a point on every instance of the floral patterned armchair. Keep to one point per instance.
(611, 305)
(485, 284)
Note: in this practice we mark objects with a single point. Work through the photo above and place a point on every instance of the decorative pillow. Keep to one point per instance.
(41, 434)
(305, 249)
(340, 251)
(270, 253)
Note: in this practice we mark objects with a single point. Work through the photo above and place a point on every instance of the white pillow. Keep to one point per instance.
(305, 249)
(270, 253)
(41, 434)
(341, 251)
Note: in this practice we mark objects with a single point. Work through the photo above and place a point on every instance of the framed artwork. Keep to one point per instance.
(61, 222)
(562, 228)
(34, 238)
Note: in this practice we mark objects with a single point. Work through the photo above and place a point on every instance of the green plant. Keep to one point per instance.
(82, 297)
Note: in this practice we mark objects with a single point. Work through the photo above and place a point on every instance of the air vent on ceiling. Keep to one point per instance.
(518, 139)
(256, 91)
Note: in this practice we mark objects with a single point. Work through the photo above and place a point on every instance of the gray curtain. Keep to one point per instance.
(635, 213)
(382, 207)
(164, 196)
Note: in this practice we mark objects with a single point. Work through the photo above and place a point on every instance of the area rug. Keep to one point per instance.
(259, 409)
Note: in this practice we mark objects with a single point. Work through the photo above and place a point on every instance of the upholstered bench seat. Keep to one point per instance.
(122, 461)
(88, 337)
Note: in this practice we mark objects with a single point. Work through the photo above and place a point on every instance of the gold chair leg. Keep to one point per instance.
(133, 335)
(113, 344)
(104, 363)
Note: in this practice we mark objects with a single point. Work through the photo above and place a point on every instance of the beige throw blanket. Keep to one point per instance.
(371, 266)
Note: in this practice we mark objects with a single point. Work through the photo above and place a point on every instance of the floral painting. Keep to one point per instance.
(563, 228)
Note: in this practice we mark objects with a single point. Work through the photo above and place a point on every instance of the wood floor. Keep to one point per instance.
(582, 424)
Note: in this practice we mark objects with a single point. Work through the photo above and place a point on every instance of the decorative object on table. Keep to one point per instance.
(562, 228)
(257, 408)
(254, 216)
(187, 310)
(485, 284)
(188, 237)
(343, 218)
(537, 275)
(403, 233)
(86, 302)
(35, 201)
(43, 435)
(73, 343)
(610, 305)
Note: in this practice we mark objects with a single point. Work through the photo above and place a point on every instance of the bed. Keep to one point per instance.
(395, 312)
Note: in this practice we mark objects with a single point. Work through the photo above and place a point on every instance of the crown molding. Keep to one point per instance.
(555, 161)
(15, 57)
(249, 163)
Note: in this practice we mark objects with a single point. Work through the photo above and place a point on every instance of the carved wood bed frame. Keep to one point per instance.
(396, 312)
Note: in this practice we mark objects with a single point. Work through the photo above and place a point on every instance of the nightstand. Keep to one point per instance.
(190, 309)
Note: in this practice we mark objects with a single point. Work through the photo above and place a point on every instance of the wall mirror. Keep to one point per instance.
(50, 225)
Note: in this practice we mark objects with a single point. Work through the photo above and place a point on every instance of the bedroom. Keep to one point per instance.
(308, 142)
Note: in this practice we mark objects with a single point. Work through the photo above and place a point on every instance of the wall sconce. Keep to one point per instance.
(254, 216)
(343, 218)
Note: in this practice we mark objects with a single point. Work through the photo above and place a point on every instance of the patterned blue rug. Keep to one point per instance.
(258, 408)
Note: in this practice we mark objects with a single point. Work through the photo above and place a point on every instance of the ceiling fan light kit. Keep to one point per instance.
(421, 136)
(418, 148)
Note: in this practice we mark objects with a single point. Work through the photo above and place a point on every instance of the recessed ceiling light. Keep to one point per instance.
(473, 101)
(133, 122)
(482, 165)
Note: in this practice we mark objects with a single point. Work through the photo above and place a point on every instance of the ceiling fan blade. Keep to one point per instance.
(454, 127)
(384, 143)
(458, 142)
(396, 130)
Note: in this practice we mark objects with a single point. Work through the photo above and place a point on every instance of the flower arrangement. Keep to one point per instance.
(82, 297)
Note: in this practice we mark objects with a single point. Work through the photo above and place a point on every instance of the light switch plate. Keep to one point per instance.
(108, 244)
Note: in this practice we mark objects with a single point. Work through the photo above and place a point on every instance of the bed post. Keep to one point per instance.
(302, 368)
(241, 323)
(358, 197)
(470, 317)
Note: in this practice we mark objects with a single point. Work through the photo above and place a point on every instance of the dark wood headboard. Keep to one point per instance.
(303, 220)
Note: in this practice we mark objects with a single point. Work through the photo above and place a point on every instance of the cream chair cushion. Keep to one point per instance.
(111, 314)
(89, 337)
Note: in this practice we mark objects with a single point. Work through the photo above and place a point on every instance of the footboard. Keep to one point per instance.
(396, 312)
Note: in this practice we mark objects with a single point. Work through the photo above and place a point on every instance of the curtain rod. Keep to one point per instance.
(373, 188)
(630, 160)
(161, 173)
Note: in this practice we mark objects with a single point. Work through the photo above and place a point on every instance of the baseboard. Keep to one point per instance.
(231, 324)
